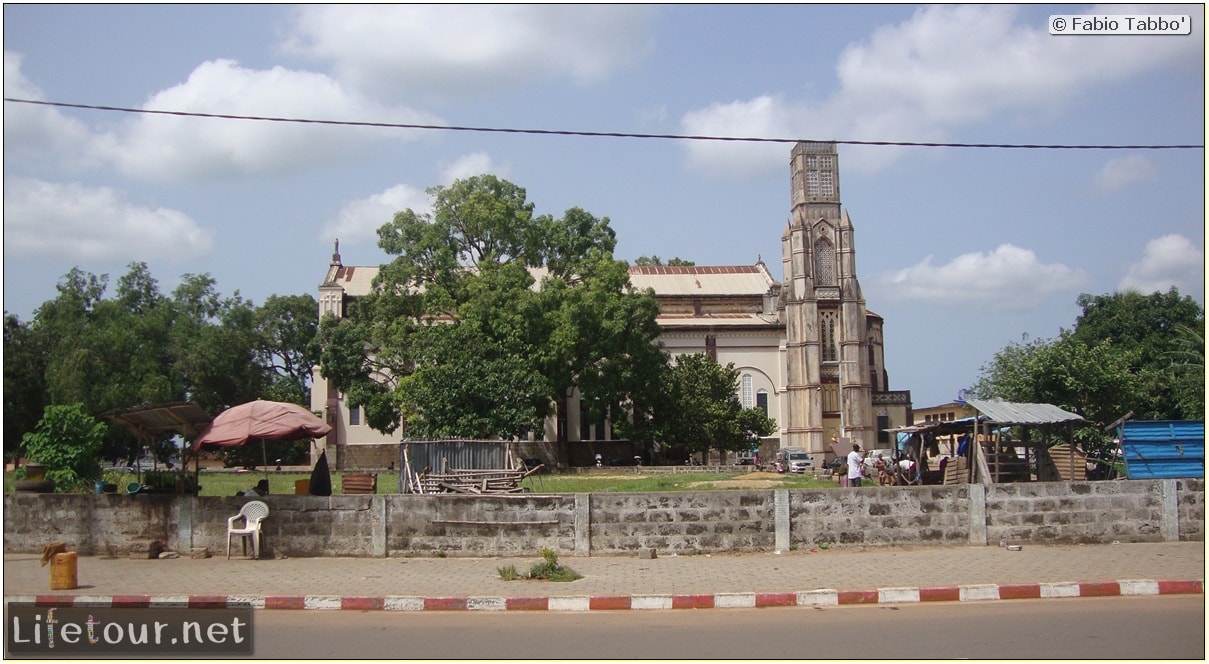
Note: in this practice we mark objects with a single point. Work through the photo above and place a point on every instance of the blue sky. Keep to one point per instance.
(961, 250)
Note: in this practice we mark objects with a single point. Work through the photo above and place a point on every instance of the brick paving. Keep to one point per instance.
(843, 576)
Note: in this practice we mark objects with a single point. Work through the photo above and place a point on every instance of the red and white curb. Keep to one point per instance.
(825, 597)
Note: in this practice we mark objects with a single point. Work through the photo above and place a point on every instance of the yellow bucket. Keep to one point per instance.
(63, 571)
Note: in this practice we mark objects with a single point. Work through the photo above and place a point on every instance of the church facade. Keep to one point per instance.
(807, 350)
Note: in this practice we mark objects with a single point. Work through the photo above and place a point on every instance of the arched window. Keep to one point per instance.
(828, 351)
(824, 263)
(745, 394)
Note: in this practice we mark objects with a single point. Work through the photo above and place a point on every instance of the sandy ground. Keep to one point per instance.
(757, 480)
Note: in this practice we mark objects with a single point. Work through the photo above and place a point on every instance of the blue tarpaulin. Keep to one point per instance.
(1161, 449)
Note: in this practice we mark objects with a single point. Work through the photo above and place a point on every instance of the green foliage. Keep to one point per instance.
(458, 339)
(703, 411)
(68, 442)
(24, 382)
(141, 347)
(549, 569)
(655, 261)
(508, 573)
(1120, 357)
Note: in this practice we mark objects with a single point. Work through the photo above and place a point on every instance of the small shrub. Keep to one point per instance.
(68, 441)
(508, 573)
(438, 554)
(549, 569)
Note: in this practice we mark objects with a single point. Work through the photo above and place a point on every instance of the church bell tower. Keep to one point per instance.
(828, 390)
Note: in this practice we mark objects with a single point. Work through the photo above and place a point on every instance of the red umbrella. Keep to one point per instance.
(272, 420)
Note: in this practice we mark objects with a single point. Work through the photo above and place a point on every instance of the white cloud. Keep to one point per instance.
(945, 67)
(35, 132)
(359, 220)
(93, 223)
(465, 49)
(166, 147)
(478, 163)
(1171, 260)
(1008, 277)
(1123, 171)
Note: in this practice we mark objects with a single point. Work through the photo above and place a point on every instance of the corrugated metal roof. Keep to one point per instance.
(1007, 412)
(704, 280)
(1162, 449)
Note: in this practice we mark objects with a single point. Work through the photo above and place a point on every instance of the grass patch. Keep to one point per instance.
(548, 569)
(576, 483)
(227, 483)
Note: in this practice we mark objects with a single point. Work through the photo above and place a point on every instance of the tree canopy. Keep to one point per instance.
(702, 410)
(141, 347)
(489, 316)
(1126, 352)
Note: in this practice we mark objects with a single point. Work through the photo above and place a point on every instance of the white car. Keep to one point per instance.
(871, 460)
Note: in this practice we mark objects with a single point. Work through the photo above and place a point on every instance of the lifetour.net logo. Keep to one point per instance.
(95, 631)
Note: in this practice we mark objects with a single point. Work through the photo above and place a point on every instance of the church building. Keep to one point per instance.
(807, 351)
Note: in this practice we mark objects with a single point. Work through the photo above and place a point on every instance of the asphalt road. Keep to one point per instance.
(1167, 627)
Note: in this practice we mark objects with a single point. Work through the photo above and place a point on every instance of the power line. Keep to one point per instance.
(600, 134)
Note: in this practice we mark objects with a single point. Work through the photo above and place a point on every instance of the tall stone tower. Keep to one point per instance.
(829, 390)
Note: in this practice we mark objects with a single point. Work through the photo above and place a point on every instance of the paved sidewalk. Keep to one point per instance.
(837, 576)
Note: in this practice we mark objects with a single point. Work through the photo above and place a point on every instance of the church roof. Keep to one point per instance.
(704, 280)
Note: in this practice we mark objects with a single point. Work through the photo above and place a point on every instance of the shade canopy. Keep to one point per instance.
(261, 420)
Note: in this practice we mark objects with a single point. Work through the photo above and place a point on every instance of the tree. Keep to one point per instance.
(656, 261)
(140, 347)
(703, 410)
(68, 442)
(24, 382)
(1117, 359)
(287, 326)
(459, 338)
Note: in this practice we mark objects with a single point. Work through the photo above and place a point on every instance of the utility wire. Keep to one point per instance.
(600, 134)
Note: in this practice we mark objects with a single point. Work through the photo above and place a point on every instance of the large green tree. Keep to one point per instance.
(703, 412)
(490, 316)
(1127, 353)
(142, 347)
(24, 382)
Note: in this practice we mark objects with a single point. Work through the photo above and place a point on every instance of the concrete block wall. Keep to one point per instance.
(471, 525)
(880, 515)
(621, 523)
(107, 524)
(1190, 509)
(682, 522)
(1075, 513)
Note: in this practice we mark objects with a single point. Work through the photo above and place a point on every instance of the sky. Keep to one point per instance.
(961, 250)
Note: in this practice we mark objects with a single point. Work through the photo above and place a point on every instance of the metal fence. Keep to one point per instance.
(440, 456)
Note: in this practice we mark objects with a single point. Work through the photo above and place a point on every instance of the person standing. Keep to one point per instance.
(854, 465)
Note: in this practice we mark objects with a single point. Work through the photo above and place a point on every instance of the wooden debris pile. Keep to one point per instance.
(472, 481)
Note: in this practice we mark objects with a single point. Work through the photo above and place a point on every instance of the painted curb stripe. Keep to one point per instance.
(1100, 589)
(444, 603)
(528, 603)
(821, 597)
(1024, 591)
(692, 601)
(950, 594)
(776, 599)
(858, 597)
(362, 603)
(1181, 587)
(609, 603)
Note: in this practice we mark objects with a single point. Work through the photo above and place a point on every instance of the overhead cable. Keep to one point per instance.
(602, 134)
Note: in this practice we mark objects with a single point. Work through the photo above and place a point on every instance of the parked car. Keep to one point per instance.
(871, 460)
(795, 459)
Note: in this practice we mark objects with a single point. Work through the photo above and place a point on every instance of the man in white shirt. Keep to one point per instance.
(854, 465)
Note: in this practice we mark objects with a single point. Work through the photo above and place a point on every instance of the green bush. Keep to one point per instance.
(68, 442)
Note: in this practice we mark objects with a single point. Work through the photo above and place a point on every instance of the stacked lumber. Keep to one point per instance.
(473, 481)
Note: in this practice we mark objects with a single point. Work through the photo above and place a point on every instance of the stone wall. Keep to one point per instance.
(621, 523)
(682, 522)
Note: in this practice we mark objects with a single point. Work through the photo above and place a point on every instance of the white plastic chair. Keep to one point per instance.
(252, 514)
